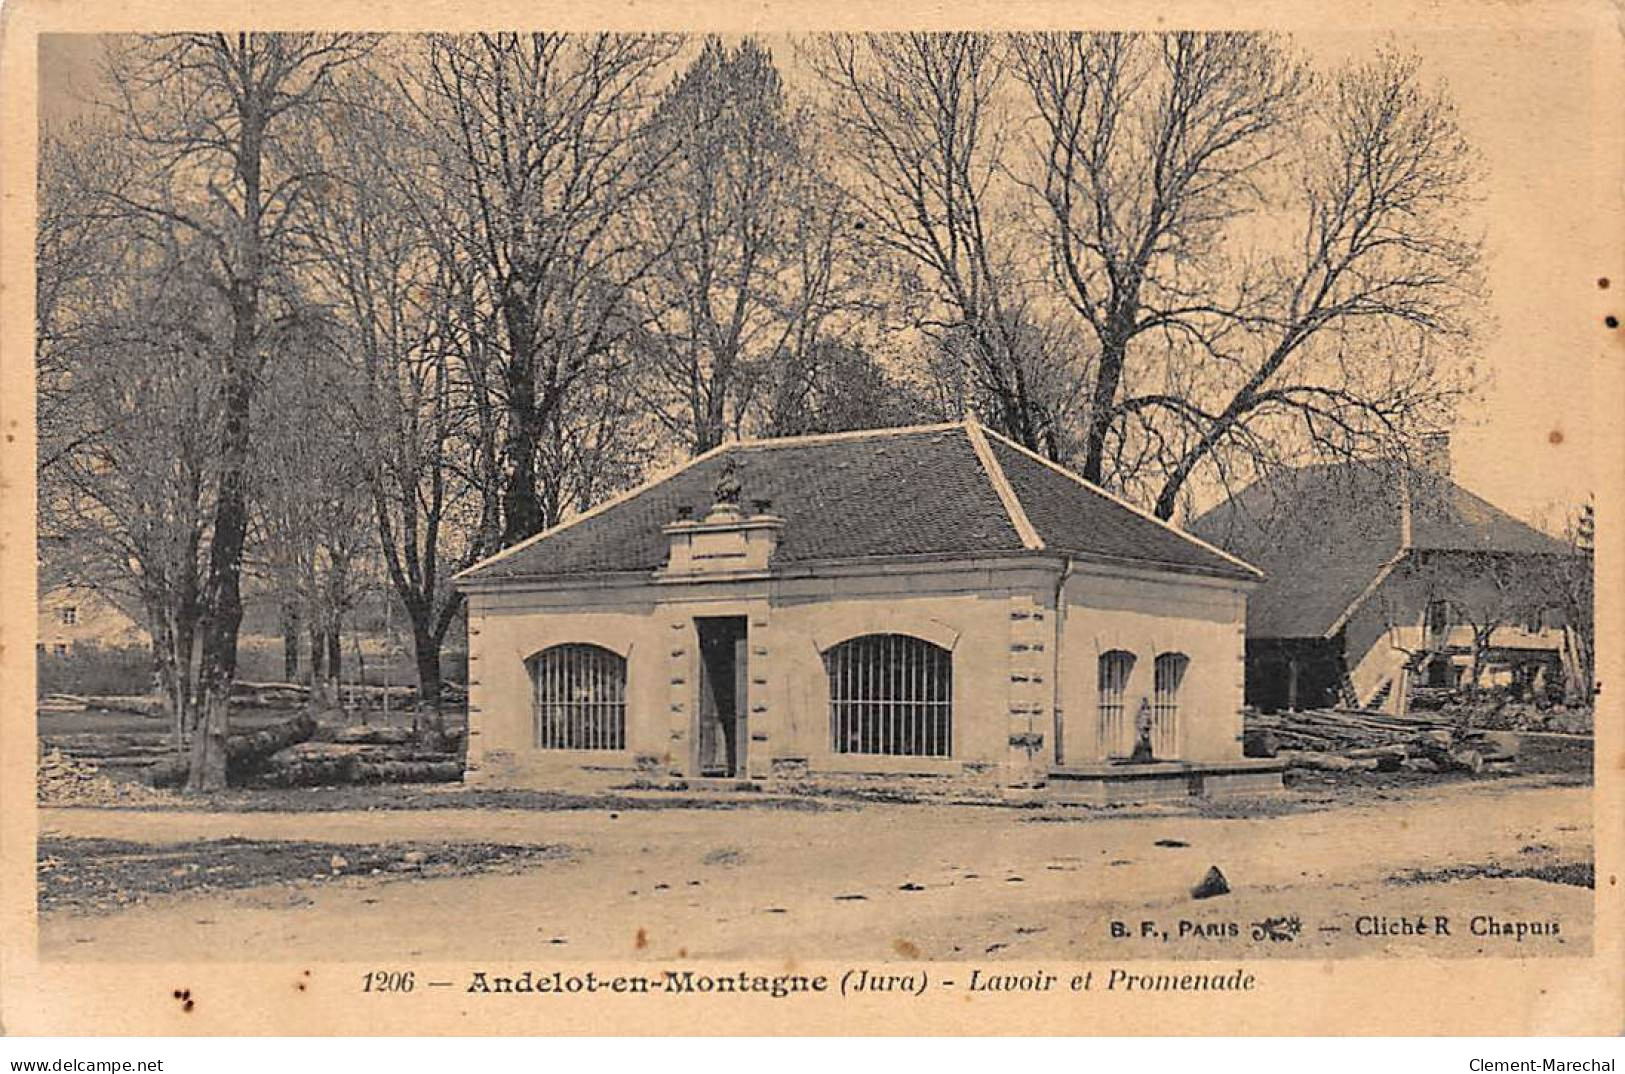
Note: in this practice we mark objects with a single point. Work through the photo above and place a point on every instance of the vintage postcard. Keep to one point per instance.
(736, 519)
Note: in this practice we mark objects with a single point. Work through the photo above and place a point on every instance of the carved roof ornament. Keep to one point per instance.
(729, 488)
(724, 541)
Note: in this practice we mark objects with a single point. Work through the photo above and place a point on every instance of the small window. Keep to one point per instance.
(1168, 674)
(580, 698)
(890, 694)
(1115, 668)
(60, 649)
(1438, 616)
(70, 615)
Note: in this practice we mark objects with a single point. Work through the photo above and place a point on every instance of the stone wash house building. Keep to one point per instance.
(932, 606)
(1385, 580)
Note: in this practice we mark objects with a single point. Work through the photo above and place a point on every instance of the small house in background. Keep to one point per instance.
(906, 605)
(71, 617)
(1385, 580)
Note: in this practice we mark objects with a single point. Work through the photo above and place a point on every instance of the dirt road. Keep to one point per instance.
(888, 881)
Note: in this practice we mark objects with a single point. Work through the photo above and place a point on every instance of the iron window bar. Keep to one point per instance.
(1168, 675)
(580, 698)
(890, 695)
(1116, 732)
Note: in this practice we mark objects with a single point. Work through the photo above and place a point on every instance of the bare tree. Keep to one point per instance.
(127, 500)
(837, 387)
(603, 442)
(1164, 163)
(312, 510)
(750, 237)
(76, 246)
(207, 115)
(921, 127)
(396, 300)
(1483, 591)
(536, 160)
(1574, 584)
(1149, 147)
(1355, 339)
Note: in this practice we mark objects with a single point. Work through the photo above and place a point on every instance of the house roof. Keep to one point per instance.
(1325, 534)
(953, 490)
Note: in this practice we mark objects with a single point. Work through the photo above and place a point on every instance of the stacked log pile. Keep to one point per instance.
(289, 695)
(1342, 740)
(284, 753)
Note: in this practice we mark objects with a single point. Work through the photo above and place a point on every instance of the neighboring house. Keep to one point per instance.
(931, 601)
(1382, 579)
(72, 617)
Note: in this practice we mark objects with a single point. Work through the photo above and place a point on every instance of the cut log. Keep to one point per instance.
(1327, 762)
(314, 769)
(357, 751)
(1388, 758)
(381, 736)
(444, 771)
(1439, 740)
(245, 753)
(1260, 742)
(1467, 761)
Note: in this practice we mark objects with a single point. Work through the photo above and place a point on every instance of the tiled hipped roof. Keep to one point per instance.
(1324, 533)
(952, 490)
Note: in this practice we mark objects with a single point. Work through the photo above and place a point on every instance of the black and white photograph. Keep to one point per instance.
(823, 514)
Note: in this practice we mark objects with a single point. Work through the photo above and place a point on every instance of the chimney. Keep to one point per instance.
(1435, 454)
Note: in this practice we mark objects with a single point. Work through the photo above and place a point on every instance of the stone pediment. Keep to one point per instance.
(725, 541)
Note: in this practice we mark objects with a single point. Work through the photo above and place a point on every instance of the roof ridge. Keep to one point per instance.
(850, 434)
(657, 478)
(1119, 501)
(1030, 537)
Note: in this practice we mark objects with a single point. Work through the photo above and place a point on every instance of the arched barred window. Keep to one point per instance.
(1116, 734)
(1168, 674)
(580, 698)
(890, 694)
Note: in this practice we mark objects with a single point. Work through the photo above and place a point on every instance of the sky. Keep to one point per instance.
(1527, 102)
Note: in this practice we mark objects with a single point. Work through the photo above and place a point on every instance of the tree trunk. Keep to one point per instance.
(171, 678)
(180, 686)
(335, 664)
(521, 508)
(1481, 647)
(426, 650)
(222, 589)
(207, 770)
(290, 640)
(318, 663)
(1104, 398)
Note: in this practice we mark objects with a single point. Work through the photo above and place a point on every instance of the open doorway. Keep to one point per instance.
(721, 738)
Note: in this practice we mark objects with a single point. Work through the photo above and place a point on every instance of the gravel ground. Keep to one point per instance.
(104, 874)
(880, 881)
